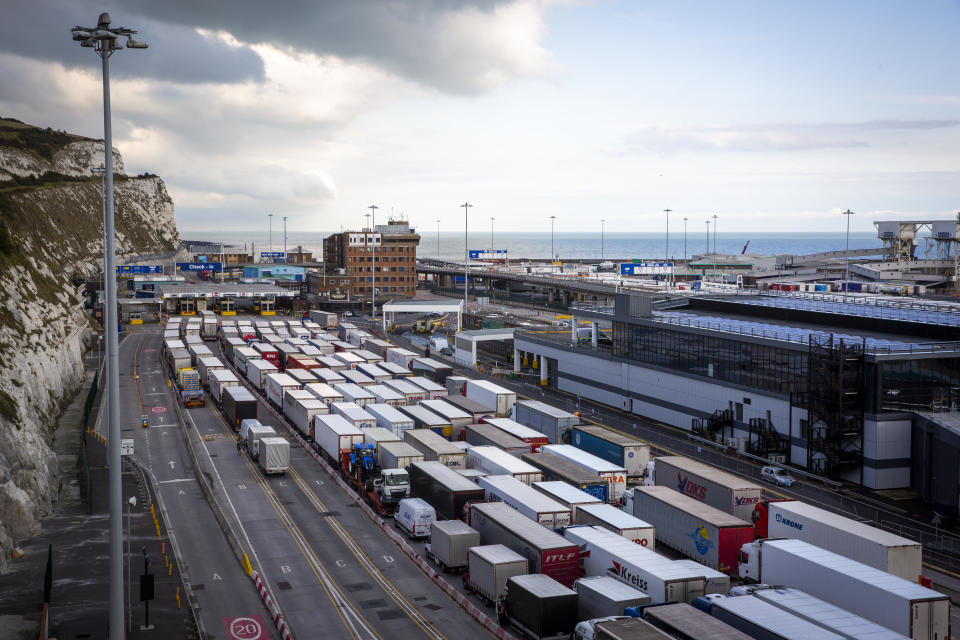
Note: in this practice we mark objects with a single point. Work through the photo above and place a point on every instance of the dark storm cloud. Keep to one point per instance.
(41, 30)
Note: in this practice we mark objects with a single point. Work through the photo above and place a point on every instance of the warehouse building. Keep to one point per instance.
(829, 384)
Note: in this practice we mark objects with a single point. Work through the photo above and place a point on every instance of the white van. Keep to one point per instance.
(414, 517)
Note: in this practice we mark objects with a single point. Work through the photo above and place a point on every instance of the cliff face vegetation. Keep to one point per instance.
(50, 234)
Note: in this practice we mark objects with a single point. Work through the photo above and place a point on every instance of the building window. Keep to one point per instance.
(804, 429)
(738, 411)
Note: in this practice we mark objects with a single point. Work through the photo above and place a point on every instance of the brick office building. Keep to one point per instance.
(351, 257)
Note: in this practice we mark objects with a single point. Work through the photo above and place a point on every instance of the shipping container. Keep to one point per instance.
(411, 392)
(623, 524)
(708, 535)
(357, 336)
(456, 385)
(474, 408)
(423, 418)
(457, 418)
(432, 369)
(355, 394)
(377, 346)
(324, 392)
(334, 364)
(275, 385)
(494, 461)
(355, 377)
(238, 404)
(328, 376)
(198, 351)
(567, 495)
(354, 414)
(708, 484)
(326, 319)
(299, 407)
(395, 370)
(609, 554)
(218, 380)
(490, 566)
(374, 372)
(759, 619)
(207, 364)
(479, 435)
(895, 603)
(620, 629)
(856, 540)
(619, 448)
(534, 438)
(401, 357)
(613, 474)
(471, 474)
(686, 622)
(257, 372)
(560, 469)
(389, 418)
(231, 344)
(332, 434)
(540, 606)
(444, 489)
(434, 391)
(450, 542)
(552, 422)
(274, 455)
(492, 395)
(268, 352)
(178, 359)
(378, 436)
(346, 355)
(602, 596)
(546, 552)
(823, 614)
(385, 395)
(398, 455)
(252, 433)
(436, 448)
(303, 376)
(368, 356)
(528, 501)
(716, 582)
(344, 328)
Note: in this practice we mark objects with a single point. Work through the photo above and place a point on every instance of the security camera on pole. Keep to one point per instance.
(104, 40)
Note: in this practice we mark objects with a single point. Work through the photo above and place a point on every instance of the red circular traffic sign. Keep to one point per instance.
(158, 409)
(250, 628)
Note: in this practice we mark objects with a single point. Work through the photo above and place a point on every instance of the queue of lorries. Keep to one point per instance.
(557, 521)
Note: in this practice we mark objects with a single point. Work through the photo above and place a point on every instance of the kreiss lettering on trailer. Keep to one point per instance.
(689, 488)
(624, 574)
(790, 523)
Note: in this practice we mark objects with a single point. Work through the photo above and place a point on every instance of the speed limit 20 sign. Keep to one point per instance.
(248, 628)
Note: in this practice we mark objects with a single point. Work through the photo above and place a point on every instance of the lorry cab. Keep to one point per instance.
(414, 516)
(394, 485)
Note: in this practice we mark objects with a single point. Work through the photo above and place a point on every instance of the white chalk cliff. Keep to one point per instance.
(50, 237)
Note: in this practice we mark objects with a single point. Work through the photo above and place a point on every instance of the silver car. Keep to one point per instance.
(778, 476)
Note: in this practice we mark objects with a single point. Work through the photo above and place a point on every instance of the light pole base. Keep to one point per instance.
(148, 627)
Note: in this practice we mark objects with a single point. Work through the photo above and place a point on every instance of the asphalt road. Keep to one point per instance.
(217, 585)
(327, 563)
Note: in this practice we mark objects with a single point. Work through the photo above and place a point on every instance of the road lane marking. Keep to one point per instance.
(176, 480)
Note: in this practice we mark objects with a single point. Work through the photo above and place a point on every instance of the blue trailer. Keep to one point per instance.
(618, 448)
(556, 468)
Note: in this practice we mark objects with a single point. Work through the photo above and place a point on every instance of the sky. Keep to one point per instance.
(774, 116)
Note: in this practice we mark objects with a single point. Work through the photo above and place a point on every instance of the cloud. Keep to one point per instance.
(776, 137)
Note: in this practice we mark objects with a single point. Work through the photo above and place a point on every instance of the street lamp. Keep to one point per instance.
(373, 289)
(846, 277)
(285, 238)
(270, 232)
(714, 246)
(438, 238)
(131, 503)
(104, 40)
(601, 240)
(491, 235)
(466, 254)
(552, 254)
(684, 239)
(666, 252)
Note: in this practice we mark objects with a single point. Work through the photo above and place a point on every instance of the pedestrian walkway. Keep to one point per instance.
(78, 534)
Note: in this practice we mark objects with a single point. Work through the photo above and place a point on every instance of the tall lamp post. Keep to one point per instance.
(714, 246)
(846, 259)
(466, 254)
(552, 254)
(373, 289)
(438, 238)
(104, 40)
(684, 239)
(602, 222)
(666, 252)
(270, 232)
(491, 235)
(285, 239)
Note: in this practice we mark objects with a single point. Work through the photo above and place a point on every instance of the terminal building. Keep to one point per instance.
(860, 388)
